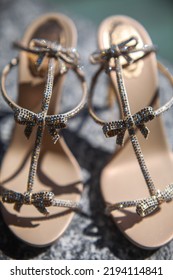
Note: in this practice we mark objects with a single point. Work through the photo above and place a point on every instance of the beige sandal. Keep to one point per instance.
(54, 178)
(141, 213)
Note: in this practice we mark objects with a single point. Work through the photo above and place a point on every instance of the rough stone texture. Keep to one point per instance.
(91, 235)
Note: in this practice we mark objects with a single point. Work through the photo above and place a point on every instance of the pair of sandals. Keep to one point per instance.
(136, 191)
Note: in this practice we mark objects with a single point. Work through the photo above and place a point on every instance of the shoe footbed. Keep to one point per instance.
(58, 170)
(121, 179)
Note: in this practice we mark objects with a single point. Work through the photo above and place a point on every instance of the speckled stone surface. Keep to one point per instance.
(91, 235)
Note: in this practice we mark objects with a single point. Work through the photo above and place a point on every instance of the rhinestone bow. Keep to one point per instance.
(123, 49)
(118, 128)
(146, 206)
(30, 119)
(43, 48)
(40, 200)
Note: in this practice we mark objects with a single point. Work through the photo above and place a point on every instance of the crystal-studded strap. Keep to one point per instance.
(30, 119)
(130, 122)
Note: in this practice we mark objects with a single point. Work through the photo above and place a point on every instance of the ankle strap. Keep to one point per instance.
(117, 128)
(69, 59)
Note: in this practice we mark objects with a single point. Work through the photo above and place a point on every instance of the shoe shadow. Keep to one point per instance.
(54, 187)
(109, 236)
(15, 248)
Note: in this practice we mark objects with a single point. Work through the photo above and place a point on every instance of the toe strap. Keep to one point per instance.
(145, 206)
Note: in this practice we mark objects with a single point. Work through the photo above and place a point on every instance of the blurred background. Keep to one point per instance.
(155, 15)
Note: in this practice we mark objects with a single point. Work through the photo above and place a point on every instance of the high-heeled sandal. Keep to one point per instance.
(54, 181)
(128, 57)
